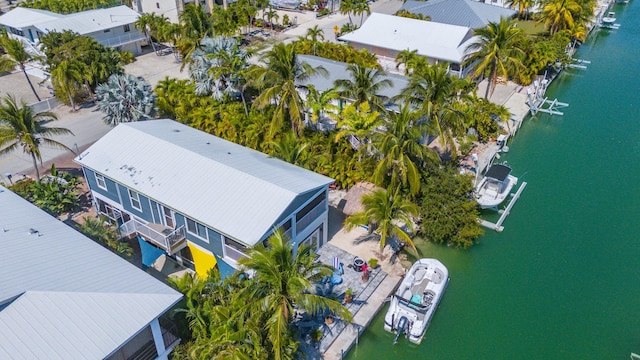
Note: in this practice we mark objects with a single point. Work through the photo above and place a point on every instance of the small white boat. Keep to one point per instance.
(610, 19)
(415, 301)
(495, 186)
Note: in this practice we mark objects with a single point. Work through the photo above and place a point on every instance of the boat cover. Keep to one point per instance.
(498, 172)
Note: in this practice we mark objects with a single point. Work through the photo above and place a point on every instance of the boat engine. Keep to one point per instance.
(402, 327)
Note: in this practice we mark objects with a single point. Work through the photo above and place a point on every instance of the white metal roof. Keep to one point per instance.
(435, 40)
(22, 17)
(87, 22)
(62, 296)
(233, 189)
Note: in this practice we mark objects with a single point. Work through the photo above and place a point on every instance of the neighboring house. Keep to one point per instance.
(467, 13)
(387, 35)
(199, 198)
(171, 9)
(112, 27)
(63, 296)
(338, 70)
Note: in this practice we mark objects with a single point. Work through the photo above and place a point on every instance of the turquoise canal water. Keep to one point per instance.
(563, 279)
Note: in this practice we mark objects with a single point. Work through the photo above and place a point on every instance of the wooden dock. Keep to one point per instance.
(498, 226)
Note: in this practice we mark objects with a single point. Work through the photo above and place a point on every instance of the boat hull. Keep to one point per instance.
(491, 200)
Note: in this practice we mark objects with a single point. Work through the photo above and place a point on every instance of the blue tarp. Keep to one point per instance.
(149, 252)
(225, 269)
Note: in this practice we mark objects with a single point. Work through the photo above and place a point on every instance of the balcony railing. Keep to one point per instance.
(310, 216)
(164, 237)
(122, 39)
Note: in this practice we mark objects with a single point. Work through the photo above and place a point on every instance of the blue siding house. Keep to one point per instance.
(201, 199)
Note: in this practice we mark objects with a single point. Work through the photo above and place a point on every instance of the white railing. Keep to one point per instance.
(310, 216)
(122, 39)
(165, 241)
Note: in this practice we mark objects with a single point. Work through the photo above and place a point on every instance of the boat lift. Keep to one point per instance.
(504, 213)
(537, 103)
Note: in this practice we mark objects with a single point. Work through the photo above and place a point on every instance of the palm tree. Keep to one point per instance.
(271, 15)
(559, 15)
(361, 7)
(383, 212)
(346, 7)
(364, 85)
(284, 281)
(401, 150)
(16, 55)
(21, 127)
(289, 149)
(314, 34)
(496, 53)
(318, 102)
(279, 78)
(437, 95)
(358, 124)
(67, 77)
(125, 98)
(195, 26)
(522, 6)
(411, 61)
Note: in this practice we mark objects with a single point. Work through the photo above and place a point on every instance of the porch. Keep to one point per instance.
(164, 237)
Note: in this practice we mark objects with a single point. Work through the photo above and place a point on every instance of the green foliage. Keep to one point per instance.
(101, 231)
(373, 263)
(70, 6)
(449, 214)
(56, 194)
(337, 52)
(410, 15)
(24, 188)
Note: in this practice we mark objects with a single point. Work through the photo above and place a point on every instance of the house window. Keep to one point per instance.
(102, 184)
(197, 229)
(233, 249)
(158, 5)
(107, 30)
(135, 200)
(127, 28)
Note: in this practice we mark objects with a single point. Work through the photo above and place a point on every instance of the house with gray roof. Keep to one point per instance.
(63, 296)
(113, 27)
(199, 198)
(467, 13)
(387, 35)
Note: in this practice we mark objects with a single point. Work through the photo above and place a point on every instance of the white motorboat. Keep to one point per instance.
(495, 186)
(609, 20)
(415, 301)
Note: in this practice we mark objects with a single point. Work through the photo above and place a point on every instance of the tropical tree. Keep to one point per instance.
(318, 102)
(271, 16)
(195, 25)
(279, 80)
(16, 56)
(68, 77)
(21, 127)
(361, 7)
(358, 124)
(411, 61)
(497, 52)
(284, 281)
(437, 95)
(522, 6)
(290, 149)
(315, 34)
(559, 15)
(364, 85)
(385, 212)
(401, 150)
(126, 98)
(346, 8)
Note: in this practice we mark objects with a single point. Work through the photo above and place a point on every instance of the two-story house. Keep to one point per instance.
(113, 27)
(201, 199)
(63, 296)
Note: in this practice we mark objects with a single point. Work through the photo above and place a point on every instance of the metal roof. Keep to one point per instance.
(90, 21)
(63, 296)
(468, 13)
(434, 40)
(22, 17)
(232, 189)
(338, 70)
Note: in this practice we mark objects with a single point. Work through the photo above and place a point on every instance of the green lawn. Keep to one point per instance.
(530, 27)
